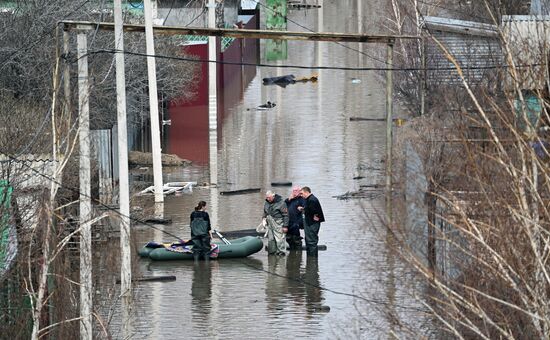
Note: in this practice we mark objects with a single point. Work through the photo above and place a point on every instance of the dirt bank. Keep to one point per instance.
(137, 158)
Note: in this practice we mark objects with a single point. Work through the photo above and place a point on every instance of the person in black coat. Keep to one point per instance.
(201, 231)
(295, 218)
(313, 217)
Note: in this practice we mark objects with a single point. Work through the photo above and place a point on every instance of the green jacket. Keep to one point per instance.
(277, 209)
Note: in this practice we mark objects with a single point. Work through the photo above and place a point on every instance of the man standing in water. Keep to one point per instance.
(295, 218)
(276, 216)
(313, 217)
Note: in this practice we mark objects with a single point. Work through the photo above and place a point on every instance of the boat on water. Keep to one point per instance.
(241, 247)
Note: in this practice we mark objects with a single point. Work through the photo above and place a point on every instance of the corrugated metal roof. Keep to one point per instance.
(460, 26)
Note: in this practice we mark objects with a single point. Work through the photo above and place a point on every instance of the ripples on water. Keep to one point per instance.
(307, 139)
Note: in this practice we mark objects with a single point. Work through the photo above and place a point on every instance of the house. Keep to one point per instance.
(475, 46)
(188, 131)
(194, 13)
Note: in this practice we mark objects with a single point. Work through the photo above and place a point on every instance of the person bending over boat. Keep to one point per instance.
(276, 217)
(201, 231)
(295, 219)
(312, 223)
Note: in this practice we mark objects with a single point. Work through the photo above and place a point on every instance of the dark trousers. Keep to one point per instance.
(294, 242)
(201, 246)
(312, 238)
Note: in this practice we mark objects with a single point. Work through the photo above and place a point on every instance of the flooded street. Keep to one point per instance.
(307, 139)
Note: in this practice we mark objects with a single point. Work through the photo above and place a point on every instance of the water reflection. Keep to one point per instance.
(295, 286)
(201, 292)
(307, 139)
(314, 295)
(275, 285)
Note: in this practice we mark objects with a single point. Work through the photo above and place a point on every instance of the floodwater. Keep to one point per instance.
(353, 289)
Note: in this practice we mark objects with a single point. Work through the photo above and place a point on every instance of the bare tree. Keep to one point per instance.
(481, 268)
(37, 145)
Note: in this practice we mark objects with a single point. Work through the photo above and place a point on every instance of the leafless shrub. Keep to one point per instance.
(482, 177)
(39, 296)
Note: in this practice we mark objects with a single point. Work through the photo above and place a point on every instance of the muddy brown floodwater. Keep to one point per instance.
(308, 139)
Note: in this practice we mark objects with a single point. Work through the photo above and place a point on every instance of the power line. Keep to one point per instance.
(318, 286)
(37, 41)
(310, 30)
(452, 10)
(341, 68)
(46, 32)
(77, 191)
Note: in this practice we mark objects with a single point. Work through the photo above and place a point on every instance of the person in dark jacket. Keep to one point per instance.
(295, 218)
(276, 217)
(201, 231)
(313, 214)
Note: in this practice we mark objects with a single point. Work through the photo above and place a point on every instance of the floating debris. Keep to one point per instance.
(156, 220)
(288, 79)
(266, 106)
(171, 188)
(373, 186)
(360, 194)
(364, 167)
(281, 184)
(301, 5)
(164, 278)
(240, 191)
(397, 121)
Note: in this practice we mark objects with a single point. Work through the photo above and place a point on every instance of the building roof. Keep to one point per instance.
(474, 46)
(460, 26)
(249, 4)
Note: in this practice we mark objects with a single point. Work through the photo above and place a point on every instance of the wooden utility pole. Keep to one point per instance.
(212, 96)
(153, 102)
(265, 34)
(85, 190)
(244, 33)
(389, 135)
(124, 190)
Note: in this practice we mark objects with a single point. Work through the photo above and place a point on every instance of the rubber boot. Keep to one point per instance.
(294, 242)
(312, 252)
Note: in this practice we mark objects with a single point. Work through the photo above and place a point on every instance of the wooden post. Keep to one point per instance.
(212, 96)
(86, 330)
(124, 191)
(153, 102)
(389, 123)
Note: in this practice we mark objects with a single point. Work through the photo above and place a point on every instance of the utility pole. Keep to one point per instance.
(153, 102)
(85, 190)
(212, 96)
(389, 135)
(124, 191)
(67, 75)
